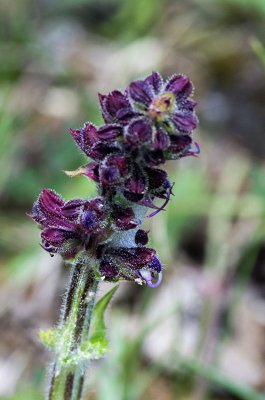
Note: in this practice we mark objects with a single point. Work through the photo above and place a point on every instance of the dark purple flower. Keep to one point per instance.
(97, 142)
(153, 111)
(66, 226)
(131, 264)
(164, 104)
(58, 221)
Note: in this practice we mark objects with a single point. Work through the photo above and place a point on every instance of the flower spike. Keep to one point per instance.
(148, 123)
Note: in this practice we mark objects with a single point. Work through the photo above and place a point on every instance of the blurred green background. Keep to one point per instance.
(201, 334)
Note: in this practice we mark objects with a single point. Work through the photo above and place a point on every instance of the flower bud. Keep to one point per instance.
(141, 237)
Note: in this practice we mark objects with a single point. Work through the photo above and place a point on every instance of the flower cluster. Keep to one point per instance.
(149, 123)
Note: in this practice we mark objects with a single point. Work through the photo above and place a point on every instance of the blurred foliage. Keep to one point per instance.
(55, 57)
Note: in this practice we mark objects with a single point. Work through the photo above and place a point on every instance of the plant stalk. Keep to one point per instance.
(68, 374)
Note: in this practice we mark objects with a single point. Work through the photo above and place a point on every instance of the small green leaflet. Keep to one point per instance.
(98, 329)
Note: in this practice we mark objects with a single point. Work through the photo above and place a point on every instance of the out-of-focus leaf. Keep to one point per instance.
(259, 49)
(28, 393)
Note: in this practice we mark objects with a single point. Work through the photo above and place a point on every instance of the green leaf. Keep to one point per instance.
(98, 329)
(259, 49)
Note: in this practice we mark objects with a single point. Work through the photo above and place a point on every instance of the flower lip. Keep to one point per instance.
(148, 277)
(192, 152)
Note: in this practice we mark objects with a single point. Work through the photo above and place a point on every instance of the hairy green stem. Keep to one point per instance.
(68, 370)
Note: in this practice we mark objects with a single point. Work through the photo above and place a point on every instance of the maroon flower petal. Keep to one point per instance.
(179, 143)
(55, 237)
(184, 121)
(155, 81)
(188, 104)
(71, 209)
(85, 137)
(180, 85)
(161, 140)
(112, 104)
(102, 101)
(136, 185)
(50, 202)
(139, 92)
(124, 218)
(139, 130)
(119, 161)
(124, 115)
(59, 223)
(137, 257)
(97, 205)
(109, 132)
